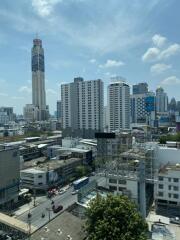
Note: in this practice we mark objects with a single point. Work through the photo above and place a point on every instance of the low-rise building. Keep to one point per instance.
(50, 173)
(34, 178)
(168, 186)
(168, 153)
(59, 152)
(9, 176)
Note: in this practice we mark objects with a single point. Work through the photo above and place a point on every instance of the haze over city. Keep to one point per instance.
(92, 39)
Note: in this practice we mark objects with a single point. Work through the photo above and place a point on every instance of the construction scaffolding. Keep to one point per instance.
(121, 158)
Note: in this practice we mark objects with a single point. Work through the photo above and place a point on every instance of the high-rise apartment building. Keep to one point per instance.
(161, 100)
(140, 88)
(6, 115)
(82, 105)
(143, 108)
(59, 110)
(119, 105)
(38, 81)
(29, 112)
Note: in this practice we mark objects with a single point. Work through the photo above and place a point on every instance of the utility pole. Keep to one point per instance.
(49, 213)
(29, 225)
(34, 197)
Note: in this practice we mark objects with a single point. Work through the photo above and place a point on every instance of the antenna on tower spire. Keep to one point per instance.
(36, 35)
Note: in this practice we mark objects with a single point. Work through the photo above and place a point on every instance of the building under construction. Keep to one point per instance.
(129, 168)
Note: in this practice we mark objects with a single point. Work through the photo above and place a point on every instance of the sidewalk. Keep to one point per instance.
(26, 207)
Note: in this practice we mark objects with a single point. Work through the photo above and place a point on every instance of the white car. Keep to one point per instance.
(61, 191)
(74, 192)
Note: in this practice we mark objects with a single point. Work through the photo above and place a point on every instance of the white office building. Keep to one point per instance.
(168, 186)
(119, 105)
(34, 178)
(82, 105)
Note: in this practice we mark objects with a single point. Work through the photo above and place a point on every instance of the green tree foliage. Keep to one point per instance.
(164, 139)
(114, 218)
(82, 171)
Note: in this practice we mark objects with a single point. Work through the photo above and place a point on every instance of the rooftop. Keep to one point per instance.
(60, 227)
(166, 168)
(43, 165)
(32, 170)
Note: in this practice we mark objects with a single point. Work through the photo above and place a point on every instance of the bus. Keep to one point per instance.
(80, 183)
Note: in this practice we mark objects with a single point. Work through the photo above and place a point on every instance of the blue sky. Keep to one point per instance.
(136, 39)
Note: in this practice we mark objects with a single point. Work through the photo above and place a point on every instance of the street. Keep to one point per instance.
(66, 199)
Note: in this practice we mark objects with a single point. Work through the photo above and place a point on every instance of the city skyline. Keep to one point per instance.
(140, 44)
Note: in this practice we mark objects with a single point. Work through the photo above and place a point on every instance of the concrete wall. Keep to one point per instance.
(168, 155)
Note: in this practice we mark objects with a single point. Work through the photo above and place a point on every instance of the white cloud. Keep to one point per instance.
(92, 29)
(17, 98)
(92, 60)
(51, 91)
(159, 68)
(158, 40)
(150, 54)
(107, 73)
(44, 7)
(112, 63)
(158, 52)
(170, 51)
(3, 94)
(2, 81)
(172, 80)
(25, 89)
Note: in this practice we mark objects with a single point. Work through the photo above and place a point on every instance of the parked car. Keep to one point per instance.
(74, 192)
(57, 209)
(175, 220)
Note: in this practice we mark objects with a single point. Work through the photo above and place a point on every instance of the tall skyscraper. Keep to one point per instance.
(38, 81)
(161, 100)
(119, 105)
(140, 88)
(82, 105)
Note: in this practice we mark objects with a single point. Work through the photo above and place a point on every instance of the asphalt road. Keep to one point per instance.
(66, 199)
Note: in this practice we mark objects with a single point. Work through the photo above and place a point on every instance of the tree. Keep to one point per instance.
(168, 137)
(114, 218)
(82, 171)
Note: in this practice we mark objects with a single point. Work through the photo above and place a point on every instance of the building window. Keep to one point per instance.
(169, 195)
(176, 188)
(176, 196)
(169, 179)
(121, 189)
(39, 176)
(160, 194)
(161, 186)
(169, 187)
(121, 181)
(112, 188)
(175, 179)
(111, 180)
(161, 178)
